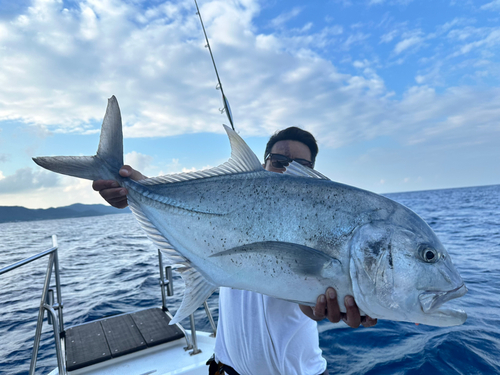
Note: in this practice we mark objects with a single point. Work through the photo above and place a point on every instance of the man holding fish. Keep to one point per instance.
(258, 334)
(290, 236)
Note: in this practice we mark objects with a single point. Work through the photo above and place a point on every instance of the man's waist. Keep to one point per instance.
(218, 368)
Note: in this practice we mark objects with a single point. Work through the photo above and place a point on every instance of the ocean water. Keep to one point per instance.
(108, 267)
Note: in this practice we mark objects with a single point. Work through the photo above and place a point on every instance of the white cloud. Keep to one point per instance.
(458, 116)
(285, 17)
(172, 167)
(267, 42)
(144, 164)
(358, 64)
(448, 25)
(389, 2)
(89, 26)
(355, 38)
(59, 66)
(432, 76)
(465, 33)
(492, 40)
(140, 162)
(406, 43)
(193, 169)
(63, 191)
(388, 37)
(163, 76)
(494, 5)
(25, 179)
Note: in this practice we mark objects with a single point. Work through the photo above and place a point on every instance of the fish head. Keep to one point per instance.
(404, 273)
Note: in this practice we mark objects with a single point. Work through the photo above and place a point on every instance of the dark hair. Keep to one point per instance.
(293, 134)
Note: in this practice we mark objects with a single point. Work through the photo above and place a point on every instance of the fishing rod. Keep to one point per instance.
(225, 102)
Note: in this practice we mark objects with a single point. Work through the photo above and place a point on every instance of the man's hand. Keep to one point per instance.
(112, 193)
(327, 306)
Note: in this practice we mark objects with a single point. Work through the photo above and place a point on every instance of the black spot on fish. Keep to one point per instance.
(375, 247)
(390, 256)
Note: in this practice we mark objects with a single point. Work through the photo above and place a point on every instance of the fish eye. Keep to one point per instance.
(430, 255)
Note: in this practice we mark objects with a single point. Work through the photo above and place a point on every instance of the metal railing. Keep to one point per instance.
(54, 310)
(167, 290)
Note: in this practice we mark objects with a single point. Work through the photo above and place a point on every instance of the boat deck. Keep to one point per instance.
(137, 343)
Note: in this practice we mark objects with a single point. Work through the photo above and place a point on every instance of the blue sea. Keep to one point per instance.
(109, 267)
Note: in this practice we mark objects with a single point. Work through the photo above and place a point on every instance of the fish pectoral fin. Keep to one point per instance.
(301, 259)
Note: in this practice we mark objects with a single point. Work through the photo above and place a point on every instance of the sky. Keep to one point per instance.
(401, 95)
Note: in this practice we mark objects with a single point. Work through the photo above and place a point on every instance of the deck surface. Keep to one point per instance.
(102, 340)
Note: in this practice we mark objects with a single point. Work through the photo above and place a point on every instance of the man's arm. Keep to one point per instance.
(112, 193)
(327, 306)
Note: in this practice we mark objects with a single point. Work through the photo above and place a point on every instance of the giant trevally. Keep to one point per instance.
(287, 235)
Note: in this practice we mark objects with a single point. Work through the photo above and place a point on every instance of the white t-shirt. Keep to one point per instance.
(261, 335)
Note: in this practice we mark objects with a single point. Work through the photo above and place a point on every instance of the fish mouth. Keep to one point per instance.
(430, 301)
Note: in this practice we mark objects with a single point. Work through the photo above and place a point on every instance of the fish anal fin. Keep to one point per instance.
(197, 290)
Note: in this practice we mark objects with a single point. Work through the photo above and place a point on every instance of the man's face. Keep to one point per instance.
(292, 150)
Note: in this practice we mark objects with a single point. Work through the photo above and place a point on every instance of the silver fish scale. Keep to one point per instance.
(235, 210)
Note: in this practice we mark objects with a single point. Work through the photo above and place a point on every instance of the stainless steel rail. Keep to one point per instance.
(54, 310)
(167, 283)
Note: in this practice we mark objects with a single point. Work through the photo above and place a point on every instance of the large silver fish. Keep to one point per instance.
(288, 235)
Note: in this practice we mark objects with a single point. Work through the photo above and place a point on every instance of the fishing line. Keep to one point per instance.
(225, 102)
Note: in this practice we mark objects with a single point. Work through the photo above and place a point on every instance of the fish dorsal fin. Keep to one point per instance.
(242, 157)
(298, 170)
(243, 160)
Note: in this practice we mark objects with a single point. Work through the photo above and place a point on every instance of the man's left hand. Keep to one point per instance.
(327, 306)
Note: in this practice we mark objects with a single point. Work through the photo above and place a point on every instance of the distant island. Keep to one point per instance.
(17, 213)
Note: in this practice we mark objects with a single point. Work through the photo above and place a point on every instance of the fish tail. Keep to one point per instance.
(109, 156)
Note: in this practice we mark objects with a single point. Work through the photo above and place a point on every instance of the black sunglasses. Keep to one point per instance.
(279, 161)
